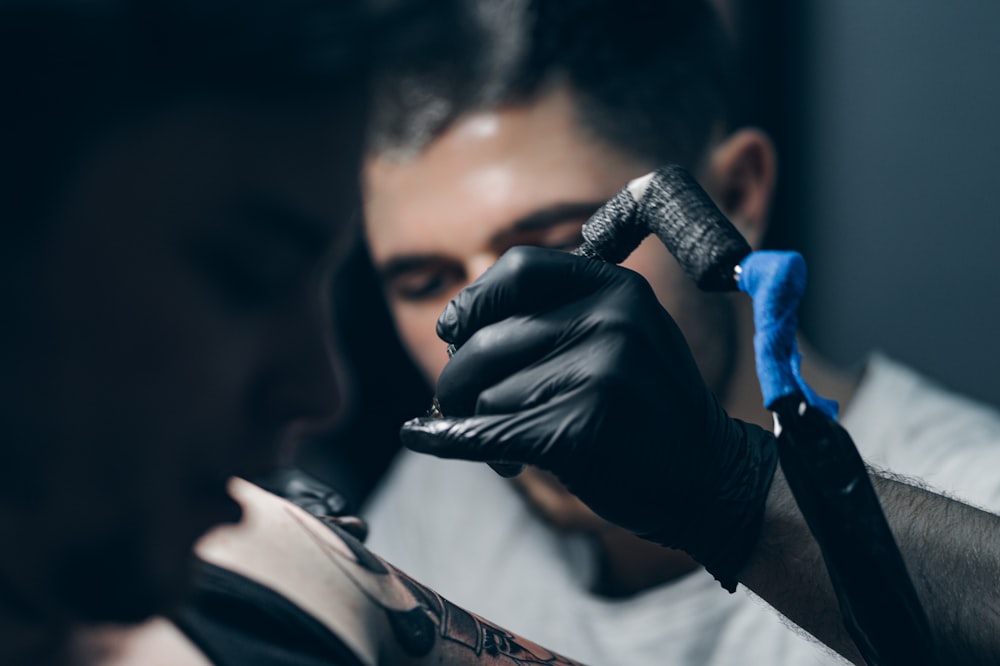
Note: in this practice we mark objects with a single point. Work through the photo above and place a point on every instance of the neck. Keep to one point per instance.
(28, 636)
(743, 399)
(629, 565)
(23, 643)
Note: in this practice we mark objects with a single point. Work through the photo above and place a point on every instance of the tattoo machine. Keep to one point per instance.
(824, 470)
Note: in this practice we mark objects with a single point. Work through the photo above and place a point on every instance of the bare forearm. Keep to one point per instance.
(952, 552)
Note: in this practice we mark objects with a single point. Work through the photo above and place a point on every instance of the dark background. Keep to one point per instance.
(886, 118)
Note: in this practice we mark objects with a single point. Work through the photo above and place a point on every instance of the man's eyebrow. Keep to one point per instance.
(409, 262)
(308, 233)
(536, 220)
(549, 216)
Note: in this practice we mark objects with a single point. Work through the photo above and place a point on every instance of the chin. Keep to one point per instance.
(116, 584)
(127, 604)
(558, 507)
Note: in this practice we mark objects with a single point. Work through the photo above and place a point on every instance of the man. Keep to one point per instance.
(175, 178)
(175, 186)
(558, 351)
(601, 94)
(178, 180)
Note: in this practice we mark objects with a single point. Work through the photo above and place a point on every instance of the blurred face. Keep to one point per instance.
(525, 175)
(168, 331)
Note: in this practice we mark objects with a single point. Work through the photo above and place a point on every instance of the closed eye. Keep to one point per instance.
(425, 283)
(567, 244)
(565, 236)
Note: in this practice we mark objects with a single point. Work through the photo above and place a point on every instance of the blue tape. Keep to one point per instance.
(776, 282)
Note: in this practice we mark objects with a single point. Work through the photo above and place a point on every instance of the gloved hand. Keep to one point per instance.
(316, 497)
(572, 365)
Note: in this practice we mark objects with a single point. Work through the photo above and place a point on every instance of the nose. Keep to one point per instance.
(478, 263)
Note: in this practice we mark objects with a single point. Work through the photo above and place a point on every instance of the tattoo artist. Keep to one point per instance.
(573, 366)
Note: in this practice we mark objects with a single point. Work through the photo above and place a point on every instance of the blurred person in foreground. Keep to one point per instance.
(177, 182)
(585, 96)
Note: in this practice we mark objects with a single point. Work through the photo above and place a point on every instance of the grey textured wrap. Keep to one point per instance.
(675, 208)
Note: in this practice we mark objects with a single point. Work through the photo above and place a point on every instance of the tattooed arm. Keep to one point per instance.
(435, 629)
(381, 614)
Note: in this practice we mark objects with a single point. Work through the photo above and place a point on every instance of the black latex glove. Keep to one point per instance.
(316, 497)
(572, 365)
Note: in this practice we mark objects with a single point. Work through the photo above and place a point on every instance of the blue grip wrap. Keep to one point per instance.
(776, 281)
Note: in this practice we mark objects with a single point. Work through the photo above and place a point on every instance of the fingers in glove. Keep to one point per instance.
(473, 438)
(495, 353)
(506, 470)
(543, 384)
(524, 437)
(524, 280)
(353, 525)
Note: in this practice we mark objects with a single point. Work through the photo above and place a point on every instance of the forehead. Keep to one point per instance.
(187, 166)
(489, 169)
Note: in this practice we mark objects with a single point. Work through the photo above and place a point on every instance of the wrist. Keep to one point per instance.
(729, 529)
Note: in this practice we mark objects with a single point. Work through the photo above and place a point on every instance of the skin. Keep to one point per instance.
(531, 175)
(950, 549)
(281, 546)
(288, 550)
(169, 330)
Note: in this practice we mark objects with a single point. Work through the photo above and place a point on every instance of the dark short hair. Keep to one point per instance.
(651, 78)
(71, 69)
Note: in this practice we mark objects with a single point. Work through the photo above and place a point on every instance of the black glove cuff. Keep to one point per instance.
(733, 527)
(724, 535)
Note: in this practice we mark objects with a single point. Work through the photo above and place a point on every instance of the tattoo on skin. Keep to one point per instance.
(420, 618)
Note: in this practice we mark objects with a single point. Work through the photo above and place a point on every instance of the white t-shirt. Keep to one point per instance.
(461, 529)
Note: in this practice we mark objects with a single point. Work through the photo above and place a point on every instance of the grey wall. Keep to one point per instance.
(901, 196)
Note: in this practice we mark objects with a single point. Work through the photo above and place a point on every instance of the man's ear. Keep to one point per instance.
(741, 173)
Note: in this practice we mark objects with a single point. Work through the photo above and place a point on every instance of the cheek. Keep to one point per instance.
(188, 365)
(416, 327)
(706, 320)
(652, 260)
(153, 378)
